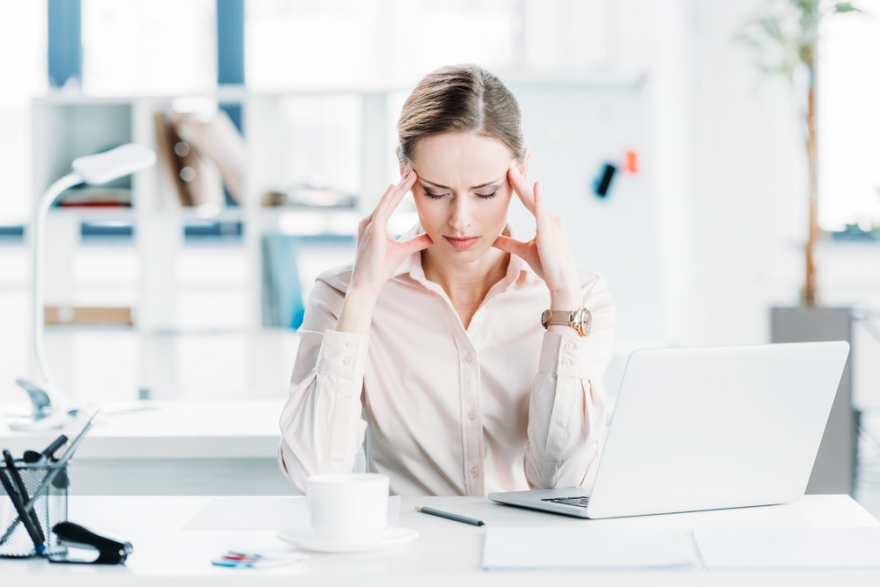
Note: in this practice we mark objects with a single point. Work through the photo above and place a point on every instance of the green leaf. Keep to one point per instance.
(842, 7)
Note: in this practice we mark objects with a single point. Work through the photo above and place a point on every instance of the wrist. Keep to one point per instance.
(361, 297)
(566, 300)
(567, 297)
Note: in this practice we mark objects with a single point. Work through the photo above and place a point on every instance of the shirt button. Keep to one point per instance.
(475, 472)
(349, 344)
(347, 361)
(566, 363)
(569, 345)
(468, 357)
(472, 414)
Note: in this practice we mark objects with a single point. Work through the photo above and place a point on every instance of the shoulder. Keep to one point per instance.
(337, 278)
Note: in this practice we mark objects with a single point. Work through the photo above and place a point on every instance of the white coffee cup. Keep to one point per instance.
(348, 507)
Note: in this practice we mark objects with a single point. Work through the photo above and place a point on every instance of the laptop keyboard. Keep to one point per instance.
(578, 501)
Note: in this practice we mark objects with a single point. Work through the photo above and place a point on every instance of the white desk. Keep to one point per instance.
(446, 553)
(206, 447)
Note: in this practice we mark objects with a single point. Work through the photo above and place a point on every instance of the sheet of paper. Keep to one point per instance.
(789, 548)
(585, 548)
(264, 513)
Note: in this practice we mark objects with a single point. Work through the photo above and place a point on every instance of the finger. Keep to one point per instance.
(521, 187)
(364, 223)
(540, 207)
(383, 201)
(423, 241)
(406, 183)
(511, 245)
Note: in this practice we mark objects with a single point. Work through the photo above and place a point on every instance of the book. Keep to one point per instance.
(196, 177)
(218, 141)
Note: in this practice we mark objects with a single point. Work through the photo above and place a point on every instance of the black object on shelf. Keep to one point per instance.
(603, 183)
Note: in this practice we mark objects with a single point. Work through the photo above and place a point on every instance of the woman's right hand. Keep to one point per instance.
(378, 255)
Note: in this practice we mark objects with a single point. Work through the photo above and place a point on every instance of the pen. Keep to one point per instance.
(22, 513)
(449, 516)
(13, 473)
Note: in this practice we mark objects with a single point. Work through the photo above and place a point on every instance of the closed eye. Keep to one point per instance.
(438, 196)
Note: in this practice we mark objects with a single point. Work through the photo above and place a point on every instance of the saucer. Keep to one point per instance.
(306, 539)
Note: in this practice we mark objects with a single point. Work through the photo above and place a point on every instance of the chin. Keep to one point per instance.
(467, 256)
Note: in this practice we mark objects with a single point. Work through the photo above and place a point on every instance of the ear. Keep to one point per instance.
(524, 166)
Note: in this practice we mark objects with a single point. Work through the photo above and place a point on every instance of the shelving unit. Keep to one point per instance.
(195, 288)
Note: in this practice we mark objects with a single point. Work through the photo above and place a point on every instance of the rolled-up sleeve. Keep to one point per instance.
(321, 424)
(567, 403)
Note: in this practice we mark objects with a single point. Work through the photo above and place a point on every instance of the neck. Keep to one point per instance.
(466, 283)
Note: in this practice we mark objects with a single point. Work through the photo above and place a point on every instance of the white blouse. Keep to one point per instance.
(442, 410)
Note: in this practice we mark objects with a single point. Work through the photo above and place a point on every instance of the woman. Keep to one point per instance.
(430, 351)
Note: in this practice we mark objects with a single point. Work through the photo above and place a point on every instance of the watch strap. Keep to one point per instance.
(557, 317)
(581, 319)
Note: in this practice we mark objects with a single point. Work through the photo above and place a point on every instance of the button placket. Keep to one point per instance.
(471, 427)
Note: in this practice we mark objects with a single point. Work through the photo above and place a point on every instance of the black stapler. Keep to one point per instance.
(110, 551)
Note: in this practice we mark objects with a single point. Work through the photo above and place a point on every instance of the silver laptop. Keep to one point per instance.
(704, 429)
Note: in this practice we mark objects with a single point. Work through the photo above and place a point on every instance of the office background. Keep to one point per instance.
(699, 239)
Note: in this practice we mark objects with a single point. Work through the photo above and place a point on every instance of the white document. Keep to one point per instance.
(585, 548)
(264, 513)
(789, 548)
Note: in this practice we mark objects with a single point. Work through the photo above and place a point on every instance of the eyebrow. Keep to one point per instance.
(476, 187)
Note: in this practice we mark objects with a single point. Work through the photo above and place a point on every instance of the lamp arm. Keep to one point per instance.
(37, 230)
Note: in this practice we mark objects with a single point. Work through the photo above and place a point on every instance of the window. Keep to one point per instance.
(158, 47)
(22, 35)
(293, 44)
(848, 121)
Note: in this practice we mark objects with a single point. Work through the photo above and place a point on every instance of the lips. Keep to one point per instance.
(462, 243)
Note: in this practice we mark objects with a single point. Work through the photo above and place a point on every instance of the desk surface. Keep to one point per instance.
(446, 553)
(166, 430)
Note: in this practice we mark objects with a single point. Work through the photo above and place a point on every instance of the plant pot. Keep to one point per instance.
(835, 465)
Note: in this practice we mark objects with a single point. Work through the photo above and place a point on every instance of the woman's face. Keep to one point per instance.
(462, 192)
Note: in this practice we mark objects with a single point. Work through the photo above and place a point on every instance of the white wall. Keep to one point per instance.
(730, 181)
(730, 176)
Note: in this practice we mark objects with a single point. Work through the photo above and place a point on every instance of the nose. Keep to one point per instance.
(460, 214)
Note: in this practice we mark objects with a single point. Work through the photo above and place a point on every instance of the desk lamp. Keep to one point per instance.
(50, 408)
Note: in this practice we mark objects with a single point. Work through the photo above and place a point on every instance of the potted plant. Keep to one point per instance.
(785, 38)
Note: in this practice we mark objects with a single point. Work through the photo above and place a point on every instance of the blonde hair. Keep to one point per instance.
(462, 98)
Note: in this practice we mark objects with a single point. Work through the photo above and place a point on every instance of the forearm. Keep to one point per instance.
(357, 313)
(321, 424)
(566, 415)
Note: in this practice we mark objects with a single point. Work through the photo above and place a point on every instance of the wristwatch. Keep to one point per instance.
(580, 320)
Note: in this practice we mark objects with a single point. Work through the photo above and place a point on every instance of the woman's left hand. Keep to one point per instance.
(548, 254)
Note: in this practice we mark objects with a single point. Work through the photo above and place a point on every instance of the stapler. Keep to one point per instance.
(110, 551)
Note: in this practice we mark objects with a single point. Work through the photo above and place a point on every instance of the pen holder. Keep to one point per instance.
(46, 485)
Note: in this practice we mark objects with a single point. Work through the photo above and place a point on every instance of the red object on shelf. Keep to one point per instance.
(94, 205)
(631, 162)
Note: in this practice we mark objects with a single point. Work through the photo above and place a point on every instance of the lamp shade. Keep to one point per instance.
(107, 166)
